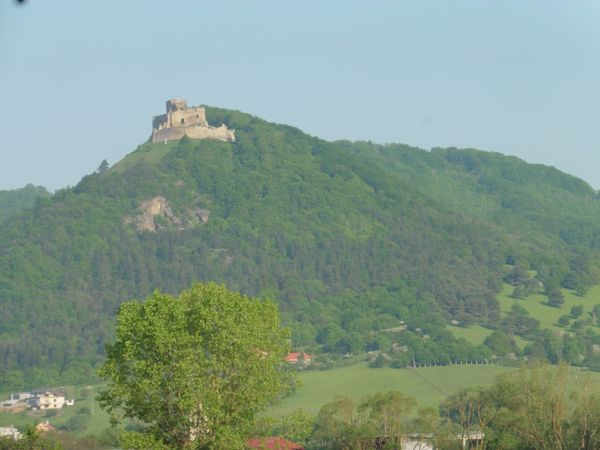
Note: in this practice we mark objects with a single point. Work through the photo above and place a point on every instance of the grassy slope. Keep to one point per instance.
(547, 315)
(427, 385)
(538, 308)
(147, 152)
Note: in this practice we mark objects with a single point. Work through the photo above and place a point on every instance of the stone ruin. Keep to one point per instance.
(181, 120)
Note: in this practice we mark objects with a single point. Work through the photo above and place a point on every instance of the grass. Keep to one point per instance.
(537, 306)
(430, 386)
(548, 316)
(148, 152)
(473, 333)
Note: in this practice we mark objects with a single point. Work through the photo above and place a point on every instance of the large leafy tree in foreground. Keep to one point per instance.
(193, 370)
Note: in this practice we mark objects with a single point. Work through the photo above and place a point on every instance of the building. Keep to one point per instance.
(10, 432)
(15, 399)
(298, 357)
(181, 120)
(49, 400)
(44, 427)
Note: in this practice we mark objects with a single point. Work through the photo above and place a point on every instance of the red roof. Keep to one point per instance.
(273, 442)
(295, 356)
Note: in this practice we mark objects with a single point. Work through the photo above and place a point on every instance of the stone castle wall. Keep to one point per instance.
(221, 133)
(181, 120)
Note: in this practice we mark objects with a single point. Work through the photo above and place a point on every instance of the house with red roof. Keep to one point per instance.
(301, 357)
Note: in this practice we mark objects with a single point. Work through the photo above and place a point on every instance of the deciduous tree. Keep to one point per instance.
(193, 370)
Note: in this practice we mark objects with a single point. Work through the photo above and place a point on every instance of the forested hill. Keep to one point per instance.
(11, 202)
(349, 237)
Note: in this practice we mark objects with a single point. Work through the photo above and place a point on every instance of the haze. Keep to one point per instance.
(80, 81)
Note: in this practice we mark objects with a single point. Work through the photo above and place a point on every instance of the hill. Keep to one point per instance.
(14, 201)
(365, 246)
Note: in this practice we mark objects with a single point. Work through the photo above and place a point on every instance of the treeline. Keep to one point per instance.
(350, 238)
(539, 407)
(16, 200)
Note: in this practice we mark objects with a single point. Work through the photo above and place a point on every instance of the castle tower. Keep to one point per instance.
(181, 120)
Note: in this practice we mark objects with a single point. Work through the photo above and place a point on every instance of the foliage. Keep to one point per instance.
(194, 369)
(500, 343)
(556, 298)
(344, 424)
(296, 426)
(350, 238)
(538, 407)
(12, 202)
(31, 440)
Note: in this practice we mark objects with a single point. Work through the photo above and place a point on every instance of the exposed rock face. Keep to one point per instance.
(158, 207)
(202, 214)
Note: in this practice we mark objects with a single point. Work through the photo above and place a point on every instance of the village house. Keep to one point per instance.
(49, 400)
(298, 357)
(40, 399)
(10, 432)
(16, 398)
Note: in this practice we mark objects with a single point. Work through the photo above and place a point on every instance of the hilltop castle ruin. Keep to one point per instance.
(182, 121)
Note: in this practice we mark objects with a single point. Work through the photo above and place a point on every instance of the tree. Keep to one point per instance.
(471, 411)
(103, 167)
(31, 440)
(543, 407)
(576, 311)
(194, 369)
(596, 313)
(564, 320)
(340, 424)
(555, 298)
(383, 418)
(500, 343)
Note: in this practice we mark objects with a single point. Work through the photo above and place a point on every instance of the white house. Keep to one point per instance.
(10, 432)
(49, 400)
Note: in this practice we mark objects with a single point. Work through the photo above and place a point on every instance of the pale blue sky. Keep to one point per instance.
(81, 80)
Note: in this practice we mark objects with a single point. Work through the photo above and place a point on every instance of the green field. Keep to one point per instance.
(548, 315)
(430, 386)
(538, 308)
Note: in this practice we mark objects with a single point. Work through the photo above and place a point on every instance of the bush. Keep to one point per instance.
(85, 410)
(556, 298)
(576, 311)
(76, 423)
(564, 320)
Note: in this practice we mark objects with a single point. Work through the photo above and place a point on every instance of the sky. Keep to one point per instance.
(80, 81)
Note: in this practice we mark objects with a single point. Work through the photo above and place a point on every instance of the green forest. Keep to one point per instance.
(365, 247)
(12, 202)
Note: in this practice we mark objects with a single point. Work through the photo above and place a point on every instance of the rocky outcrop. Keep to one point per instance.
(156, 213)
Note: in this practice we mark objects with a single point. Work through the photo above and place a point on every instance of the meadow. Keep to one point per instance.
(430, 385)
(538, 307)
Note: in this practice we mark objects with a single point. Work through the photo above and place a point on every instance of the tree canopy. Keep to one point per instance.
(350, 238)
(193, 370)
